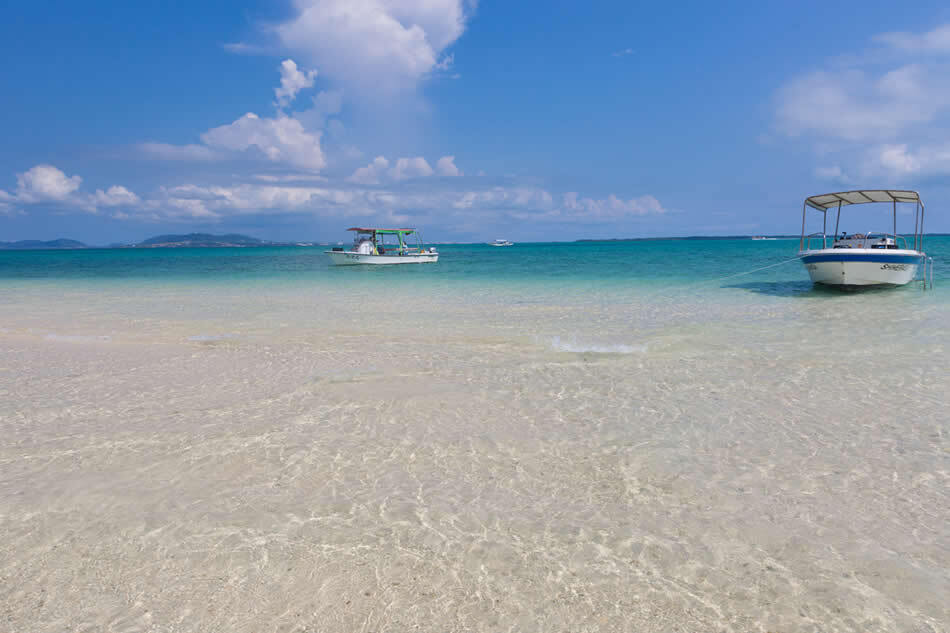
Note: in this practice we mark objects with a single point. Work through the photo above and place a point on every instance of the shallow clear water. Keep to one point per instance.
(594, 436)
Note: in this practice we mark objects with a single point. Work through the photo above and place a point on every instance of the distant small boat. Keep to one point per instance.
(370, 247)
(872, 258)
(759, 237)
(501, 243)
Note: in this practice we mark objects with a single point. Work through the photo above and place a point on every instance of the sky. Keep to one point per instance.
(291, 120)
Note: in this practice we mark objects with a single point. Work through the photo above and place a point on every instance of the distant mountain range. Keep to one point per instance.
(189, 240)
(202, 239)
(37, 244)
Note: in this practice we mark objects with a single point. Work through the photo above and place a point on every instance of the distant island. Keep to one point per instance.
(206, 240)
(25, 245)
(189, 240)
(689, 237)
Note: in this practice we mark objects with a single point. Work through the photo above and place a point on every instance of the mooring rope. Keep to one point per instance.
(749, 272)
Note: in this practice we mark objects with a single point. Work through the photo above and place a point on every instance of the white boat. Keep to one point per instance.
(370, 247)
(501, 243)
(872, 258)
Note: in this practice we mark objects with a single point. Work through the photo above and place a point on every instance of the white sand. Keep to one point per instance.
(219, 462)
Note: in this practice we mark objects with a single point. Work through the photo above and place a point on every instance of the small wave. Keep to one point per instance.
(594, 348)
(77, 338)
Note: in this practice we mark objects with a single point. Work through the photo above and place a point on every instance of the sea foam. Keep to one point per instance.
(596, 348)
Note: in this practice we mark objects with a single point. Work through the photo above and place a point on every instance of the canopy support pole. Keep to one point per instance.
(801, 242)
(838, 221)
(916, 218)
(895, 223)
(824, 229)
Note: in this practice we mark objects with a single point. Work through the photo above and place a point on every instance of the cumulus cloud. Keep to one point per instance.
(612, 207)
(406, 168)
(45, 183)
(379, 171)
(6, 202)
(398, 202)
(884, 116)
(292, 81)
(936, 41)
(372, 174)
(326, 103)
(375, 45)
(282, 139)
(900, 159)
(446, 167)
(854, 105)
(115, 196)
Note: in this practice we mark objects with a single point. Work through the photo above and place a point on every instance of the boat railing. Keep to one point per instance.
(873, 236)
(821, 234)
(865, 241)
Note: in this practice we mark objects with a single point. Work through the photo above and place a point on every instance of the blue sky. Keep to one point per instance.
(294, 119)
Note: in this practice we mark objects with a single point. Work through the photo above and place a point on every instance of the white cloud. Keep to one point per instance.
(45, 183)
(936, 41)
(854, 105)
(470, 208)
(372, 174)
(622, 53)
(115, 196)
(896, 158)
(292, 81)
(282, 140)
(326, 103)
(612, 207)
(164, 151)
(379, 171)
(900, 159)
(6, 202)
(446, 166)
(375, 45)
(884, 117)
(406, 168)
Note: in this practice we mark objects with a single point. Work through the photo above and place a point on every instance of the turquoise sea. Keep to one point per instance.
(593, 436)
(619, 265)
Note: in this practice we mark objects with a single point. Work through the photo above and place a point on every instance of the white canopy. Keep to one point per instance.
(861, 196)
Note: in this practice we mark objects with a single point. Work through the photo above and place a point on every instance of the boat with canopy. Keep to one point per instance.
(871, 258)
(383, 246)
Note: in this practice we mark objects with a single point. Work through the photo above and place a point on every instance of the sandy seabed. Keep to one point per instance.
(270, 464)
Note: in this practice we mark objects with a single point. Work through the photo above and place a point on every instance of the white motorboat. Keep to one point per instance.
(370, 247)
(501, 243)
(872, 258)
